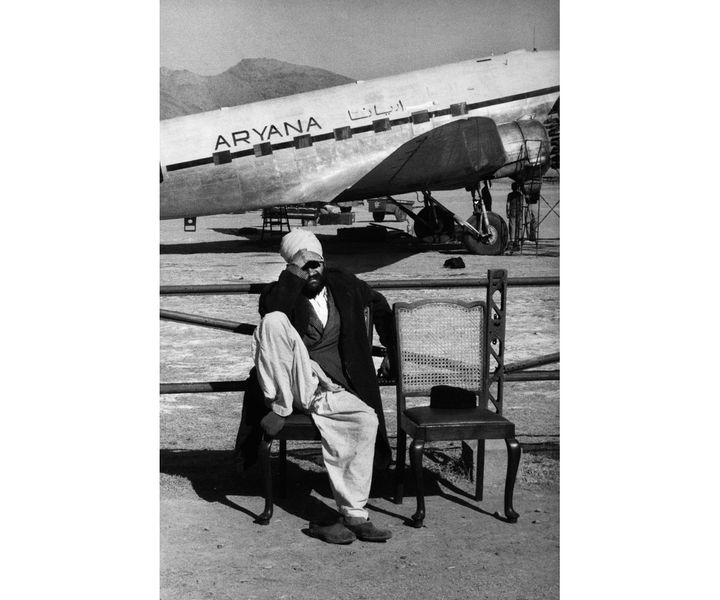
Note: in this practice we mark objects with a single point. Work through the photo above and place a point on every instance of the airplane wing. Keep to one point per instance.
(452, 156)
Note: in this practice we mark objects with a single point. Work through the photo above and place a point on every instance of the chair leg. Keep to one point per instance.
(416, 458)
(400, 465)
(514, 451)
(282, 490)
(480, 470)
(266, 472)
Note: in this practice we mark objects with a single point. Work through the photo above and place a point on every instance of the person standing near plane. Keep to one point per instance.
(486, 197)
(513, 210)
(312, 354)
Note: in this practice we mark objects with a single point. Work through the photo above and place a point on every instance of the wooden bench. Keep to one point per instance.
(280, 216)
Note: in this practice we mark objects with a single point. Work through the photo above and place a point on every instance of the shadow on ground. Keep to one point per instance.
(376, 248)
(214, 478)
(379, 246)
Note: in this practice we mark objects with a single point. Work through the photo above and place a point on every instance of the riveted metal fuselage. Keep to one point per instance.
(311, 147)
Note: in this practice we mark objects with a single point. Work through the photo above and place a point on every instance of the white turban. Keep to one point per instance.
(300, 239)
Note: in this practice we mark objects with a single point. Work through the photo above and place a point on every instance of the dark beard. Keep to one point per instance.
(313, 286)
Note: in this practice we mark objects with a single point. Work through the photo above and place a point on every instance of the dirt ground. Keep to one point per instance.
(210, 546)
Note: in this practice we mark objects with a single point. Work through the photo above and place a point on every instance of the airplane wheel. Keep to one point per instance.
(498, 236)
(345, 209)
(379, 216)
(439, 232)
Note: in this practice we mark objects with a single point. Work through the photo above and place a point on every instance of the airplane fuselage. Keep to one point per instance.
(310, 147)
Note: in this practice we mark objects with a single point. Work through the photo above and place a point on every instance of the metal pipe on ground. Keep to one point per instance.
(521, 365)
(533, 376)
(224, 324)
(256, 288)
(209, 387)
(203, 387)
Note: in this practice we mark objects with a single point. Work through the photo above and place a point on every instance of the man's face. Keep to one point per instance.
(316, 278)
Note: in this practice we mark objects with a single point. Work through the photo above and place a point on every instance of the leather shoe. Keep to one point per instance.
(336, 533)
(366, 531)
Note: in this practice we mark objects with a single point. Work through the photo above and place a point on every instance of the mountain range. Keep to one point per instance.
(252, 79)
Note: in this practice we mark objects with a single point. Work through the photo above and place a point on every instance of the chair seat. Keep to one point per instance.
(425, 422)
(298, 426)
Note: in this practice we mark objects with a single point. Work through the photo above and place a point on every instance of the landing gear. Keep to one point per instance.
(433, 224)
(484, 233)
(379, 216)
(531, 225)
(400, 215)
(494, 243)
(487, 233)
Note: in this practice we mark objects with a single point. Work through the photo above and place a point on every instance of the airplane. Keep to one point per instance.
(441, 128)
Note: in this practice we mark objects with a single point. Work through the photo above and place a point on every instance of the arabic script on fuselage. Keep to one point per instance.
(366, 112)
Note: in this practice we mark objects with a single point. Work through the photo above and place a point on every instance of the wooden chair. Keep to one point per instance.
(298, 426)
(453, 343)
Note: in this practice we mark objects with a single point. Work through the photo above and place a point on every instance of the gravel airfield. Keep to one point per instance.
(210, 546)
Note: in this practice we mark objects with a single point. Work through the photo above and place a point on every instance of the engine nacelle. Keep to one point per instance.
(527, 147)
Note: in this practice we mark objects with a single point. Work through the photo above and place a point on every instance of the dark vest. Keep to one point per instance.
(322, 343)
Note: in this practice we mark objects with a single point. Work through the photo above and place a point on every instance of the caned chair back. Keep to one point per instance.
(440, 342)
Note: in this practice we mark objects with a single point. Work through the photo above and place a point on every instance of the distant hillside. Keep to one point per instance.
(252, 79)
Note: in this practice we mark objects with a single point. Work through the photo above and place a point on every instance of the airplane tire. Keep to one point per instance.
(379, 216)
(345, 209)
(498, 236)
(442, 231)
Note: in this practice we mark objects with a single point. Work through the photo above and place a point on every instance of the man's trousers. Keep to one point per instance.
(290, 379)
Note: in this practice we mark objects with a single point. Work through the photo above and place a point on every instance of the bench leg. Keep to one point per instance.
(266, 472)
(416, 458)
(514, 451)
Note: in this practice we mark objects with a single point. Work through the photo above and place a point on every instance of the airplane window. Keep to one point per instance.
(262, 149)
(422, 116)
(302, 141)
(458, 109)
(343, 133)
(381, 125)
(222, 157)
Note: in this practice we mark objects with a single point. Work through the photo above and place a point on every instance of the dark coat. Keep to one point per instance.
(351, 295)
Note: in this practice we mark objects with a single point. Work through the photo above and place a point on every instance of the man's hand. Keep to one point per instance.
(385, 370)
(272, 423)
(303, 256)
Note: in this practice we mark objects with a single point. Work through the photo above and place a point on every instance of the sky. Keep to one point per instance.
(361, 39)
